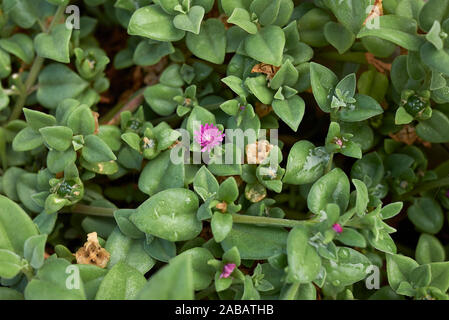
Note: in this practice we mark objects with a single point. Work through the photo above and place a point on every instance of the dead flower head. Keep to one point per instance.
(92, 252)
(258, 151)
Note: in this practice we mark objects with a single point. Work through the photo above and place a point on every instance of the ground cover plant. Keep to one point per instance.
(119, 117)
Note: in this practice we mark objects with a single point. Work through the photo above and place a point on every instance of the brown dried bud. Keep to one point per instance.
(222, 206)
(377, 11)
(265, 68)
(262, 109)
(92, 252)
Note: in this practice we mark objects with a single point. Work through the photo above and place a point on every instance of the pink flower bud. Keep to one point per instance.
(337, 228)
(227, 270)
(339, 143)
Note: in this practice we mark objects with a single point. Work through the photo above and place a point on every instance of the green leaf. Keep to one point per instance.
(339, 36)
(350, 267)
(191, 21)
(304, 263)
(249, 293)
(122, 217)
(19, 45)
(57, 137)
(267, 45)
(352, 237)
(56, 83)
(397, 29)
(27, 139)
(258, 87)
(364, 108)
(152, 22)
(203, 273)
(150, 52)
(37, 119)
(10, 294)
(229, 5)
(266, 10)
(160, 249)
(228, 190)
(429, 249)
(373, 84)
(96, 150)
(210, 43)
(433, 36)
(56, 280)
(362, 198)
(169, 215)
(351, 13)
(426, 215)
(254, 242)
(57, 161)
(34, 249)
(160, 98)
(323, 83)
(10, 264)
(15, 226)
(221, 224)
(54, 45)
(81, 121)
(205, 184)
(331, 188)
(399, 269)
(23, 12)
(122, 282)
(390, 210)
(242, 18)
(433, 10)
(287, 75)
(434, 58)
(160, 174)
(440, 275)
(291, 111)
(174, 281)
(130, 251)
(303, 164)
(435, 129)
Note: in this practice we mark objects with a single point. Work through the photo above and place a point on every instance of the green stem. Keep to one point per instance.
(28, 272)
(92, 211)
(236, 218)
(34, 72)
(443, 182)
(113, 116)
(329, 163)
(275, 222)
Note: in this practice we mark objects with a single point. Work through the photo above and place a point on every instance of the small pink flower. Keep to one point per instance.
(242, 107)
(208, 137)
(227, 270)
(339, 143)
(337, 228)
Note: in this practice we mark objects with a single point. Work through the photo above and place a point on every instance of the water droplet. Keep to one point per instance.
(336, 283)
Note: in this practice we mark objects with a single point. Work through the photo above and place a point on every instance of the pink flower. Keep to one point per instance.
(339, 143)
(227, 270)
(208, 137)
(337, 228)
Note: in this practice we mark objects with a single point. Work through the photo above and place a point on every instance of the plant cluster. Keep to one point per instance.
(349, 202)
